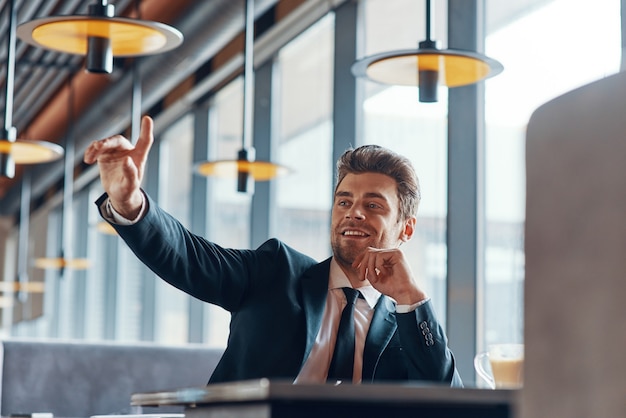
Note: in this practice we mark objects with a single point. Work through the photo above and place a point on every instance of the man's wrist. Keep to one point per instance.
(411, 307)
(130, 209)
(411, 296)
(114, 216)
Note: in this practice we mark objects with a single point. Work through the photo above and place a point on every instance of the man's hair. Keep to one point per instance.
(377, 159)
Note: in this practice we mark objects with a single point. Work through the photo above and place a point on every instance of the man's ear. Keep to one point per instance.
(409, 229)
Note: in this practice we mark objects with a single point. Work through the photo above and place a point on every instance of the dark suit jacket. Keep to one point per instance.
(276, 297)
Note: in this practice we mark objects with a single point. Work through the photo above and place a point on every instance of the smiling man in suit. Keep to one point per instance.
(286, 308)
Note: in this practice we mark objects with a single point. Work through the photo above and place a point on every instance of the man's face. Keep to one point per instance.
(365, 214)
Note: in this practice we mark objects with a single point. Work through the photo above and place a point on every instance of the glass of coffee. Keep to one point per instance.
(501, 366)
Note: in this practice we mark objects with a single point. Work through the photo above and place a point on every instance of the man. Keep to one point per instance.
(285, 306)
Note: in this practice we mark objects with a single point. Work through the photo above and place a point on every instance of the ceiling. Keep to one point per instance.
(102, 101)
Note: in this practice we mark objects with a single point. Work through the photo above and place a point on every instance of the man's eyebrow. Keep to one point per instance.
(375, 195)
(343, 193)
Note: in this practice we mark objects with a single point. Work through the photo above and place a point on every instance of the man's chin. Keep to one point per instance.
(346, 257)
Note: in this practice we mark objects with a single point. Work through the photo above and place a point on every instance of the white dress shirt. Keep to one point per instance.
(315, 369)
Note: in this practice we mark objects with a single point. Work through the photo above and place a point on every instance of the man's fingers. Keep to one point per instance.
(129, 169)
(372, 274)
(113, 144)
(146, 138)
(117, 146)
(89, 157)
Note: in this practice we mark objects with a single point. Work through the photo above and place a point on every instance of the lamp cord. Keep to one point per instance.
(8, 105)
(136, 98)
(248, 75)
(428, 20)
(23, 231)
(68, 184)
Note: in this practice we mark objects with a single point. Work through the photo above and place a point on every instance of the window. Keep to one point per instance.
(98, 246)
(228, 216)
(175, 160)
(304, 107)
(544, 56)
(229, 212)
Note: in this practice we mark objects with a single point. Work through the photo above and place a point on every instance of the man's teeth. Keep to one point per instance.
(354, 233)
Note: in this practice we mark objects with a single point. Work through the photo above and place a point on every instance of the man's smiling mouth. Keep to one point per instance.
(353, 233)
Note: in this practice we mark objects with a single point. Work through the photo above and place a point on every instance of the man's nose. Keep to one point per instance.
(355, 212)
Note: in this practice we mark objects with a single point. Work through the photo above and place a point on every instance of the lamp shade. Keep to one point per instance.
(128, 37)
(29, 287)
(61, 263)
(245, 169)
(258, 170)
(427, 67)
(455, 67)
(25, 151)
(100, 36)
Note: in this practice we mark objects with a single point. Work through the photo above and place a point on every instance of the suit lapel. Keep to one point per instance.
(381, 330)
(314, 293)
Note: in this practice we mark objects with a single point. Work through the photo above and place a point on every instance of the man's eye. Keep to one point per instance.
(342, 203)
(373, 206)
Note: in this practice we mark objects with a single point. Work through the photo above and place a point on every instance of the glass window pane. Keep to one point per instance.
(128, 297)
(96, 290)
(229, 222)
(544, 56)
(175, 160)
(229, 211)
(175, 173)
(304, 105)
(401, 24)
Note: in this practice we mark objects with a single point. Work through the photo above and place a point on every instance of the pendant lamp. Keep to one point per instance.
(427, 66)
(100, 36)
(66, 259)
(22, 288)
(13, 151)
(23, 285)
(245, 168)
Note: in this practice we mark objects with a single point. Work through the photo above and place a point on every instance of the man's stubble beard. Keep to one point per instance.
(345, 254)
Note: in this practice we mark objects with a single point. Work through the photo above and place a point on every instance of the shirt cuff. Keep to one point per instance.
(410, 308)
(111, 215)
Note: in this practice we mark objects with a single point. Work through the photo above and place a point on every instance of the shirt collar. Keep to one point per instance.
(338, 279)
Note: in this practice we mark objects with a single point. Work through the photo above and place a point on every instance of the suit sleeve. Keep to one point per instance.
(187, 261)
(426, 346)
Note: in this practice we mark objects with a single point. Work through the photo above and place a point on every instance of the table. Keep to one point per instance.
(276, 399)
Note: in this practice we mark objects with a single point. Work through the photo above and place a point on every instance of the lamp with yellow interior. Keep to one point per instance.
(23, 285)
(66, 259)
(28, 287)
(100, 36)
(12, 150)
(245, 168)
(427, 66)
